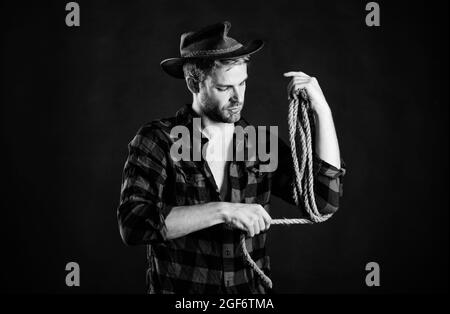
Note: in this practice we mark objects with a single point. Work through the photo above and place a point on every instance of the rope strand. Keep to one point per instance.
(300, 140)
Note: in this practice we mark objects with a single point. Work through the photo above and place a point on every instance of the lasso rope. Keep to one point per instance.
(299, 123)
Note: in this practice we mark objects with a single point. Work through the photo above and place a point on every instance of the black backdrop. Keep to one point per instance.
(72, 98)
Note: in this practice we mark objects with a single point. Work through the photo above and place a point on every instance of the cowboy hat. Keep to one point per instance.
(210, 42)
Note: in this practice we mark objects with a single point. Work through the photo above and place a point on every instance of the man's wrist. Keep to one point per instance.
(322, 111)
(222, 209)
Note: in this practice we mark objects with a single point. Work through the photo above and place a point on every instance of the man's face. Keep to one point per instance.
(222, 93)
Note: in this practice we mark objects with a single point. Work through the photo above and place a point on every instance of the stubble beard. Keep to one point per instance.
(215, 113)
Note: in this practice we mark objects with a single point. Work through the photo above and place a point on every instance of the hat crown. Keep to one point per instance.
(211, 42)
(208, 41)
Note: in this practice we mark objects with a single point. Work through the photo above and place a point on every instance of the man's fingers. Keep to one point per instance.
(262, 225)
(251, 231)
(298, 80)
(299, 85)
(256, 227)
(267, 218)
(296, 88)
(268, 224)
(249, 227)
(301, 79)
(255, 221)
(242, 227)
(264, 214)
(293, 73)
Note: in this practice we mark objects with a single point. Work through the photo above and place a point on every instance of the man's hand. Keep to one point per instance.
(327, 147)
(251, 218)
(302, 80)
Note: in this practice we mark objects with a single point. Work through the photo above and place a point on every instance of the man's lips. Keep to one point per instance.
(235, 109)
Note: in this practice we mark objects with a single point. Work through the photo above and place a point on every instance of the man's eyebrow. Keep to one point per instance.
(224, 85)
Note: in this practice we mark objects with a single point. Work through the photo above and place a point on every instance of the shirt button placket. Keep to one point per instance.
(228, 275)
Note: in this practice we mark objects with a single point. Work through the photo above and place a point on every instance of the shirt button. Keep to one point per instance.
(227, 250)
(228, 278)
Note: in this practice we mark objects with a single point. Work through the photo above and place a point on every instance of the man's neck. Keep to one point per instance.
(219, 149)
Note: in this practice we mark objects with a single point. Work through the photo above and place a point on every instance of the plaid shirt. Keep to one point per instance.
(206, 261)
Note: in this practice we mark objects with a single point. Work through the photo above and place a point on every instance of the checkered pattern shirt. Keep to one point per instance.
(207, 261)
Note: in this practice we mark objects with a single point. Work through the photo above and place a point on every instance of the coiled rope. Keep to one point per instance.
(300, 140)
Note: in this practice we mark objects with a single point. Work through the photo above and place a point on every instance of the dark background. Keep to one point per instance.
(72, 99)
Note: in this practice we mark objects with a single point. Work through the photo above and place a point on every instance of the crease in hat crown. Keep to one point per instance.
(209, 41)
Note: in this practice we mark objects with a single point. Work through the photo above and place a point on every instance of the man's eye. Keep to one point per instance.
(222, 89)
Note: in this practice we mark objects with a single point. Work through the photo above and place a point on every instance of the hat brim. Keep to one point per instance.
(174, 66)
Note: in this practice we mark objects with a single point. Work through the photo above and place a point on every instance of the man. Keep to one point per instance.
(190, 213)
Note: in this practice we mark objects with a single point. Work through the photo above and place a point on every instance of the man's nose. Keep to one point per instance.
(238, 95)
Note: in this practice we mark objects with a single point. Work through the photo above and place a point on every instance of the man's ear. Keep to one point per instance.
(193, 85)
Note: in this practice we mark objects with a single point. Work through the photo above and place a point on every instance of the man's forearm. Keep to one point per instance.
(327, 147)
(183, 220)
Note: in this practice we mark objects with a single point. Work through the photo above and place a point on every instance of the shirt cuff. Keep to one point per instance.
(162, 228)
(322, 167)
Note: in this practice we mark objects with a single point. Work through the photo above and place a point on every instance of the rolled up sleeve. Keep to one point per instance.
(142, 211)
(328, 185)
(328, 182)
